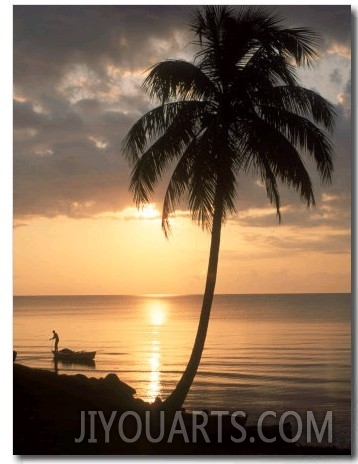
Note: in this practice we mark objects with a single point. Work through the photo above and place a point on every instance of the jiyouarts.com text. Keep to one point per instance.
(199, 425)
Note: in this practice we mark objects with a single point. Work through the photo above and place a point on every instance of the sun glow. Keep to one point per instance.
(157, 316)
(157, 312)
(148, 212)
(154, 361)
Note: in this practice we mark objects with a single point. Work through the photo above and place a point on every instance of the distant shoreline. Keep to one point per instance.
(158, 295)
(176, 295)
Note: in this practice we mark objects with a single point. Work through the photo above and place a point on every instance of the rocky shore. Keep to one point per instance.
(77, 415)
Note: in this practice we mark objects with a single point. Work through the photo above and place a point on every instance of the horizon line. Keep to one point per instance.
(174, 295)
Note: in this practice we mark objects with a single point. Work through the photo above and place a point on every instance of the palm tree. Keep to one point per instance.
(238, 108)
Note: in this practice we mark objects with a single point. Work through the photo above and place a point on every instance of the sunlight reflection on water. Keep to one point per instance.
(282, 352)
(154, 384)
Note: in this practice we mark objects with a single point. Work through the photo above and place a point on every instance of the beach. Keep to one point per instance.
(47, 421)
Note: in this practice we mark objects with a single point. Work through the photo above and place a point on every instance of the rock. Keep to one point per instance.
(112, 381)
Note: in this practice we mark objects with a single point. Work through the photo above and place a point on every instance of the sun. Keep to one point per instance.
(157, 316)
(157, 310)
(148, 212)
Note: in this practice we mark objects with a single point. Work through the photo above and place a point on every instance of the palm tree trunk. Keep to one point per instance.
(176, 399)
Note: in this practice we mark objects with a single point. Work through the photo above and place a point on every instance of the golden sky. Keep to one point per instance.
(77, 77)
(119, 255)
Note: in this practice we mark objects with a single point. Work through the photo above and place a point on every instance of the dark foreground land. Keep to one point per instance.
(47, 421)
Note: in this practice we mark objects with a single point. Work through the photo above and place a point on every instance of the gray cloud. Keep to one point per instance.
(51, 39)
(68, 127)
(336, 76)
(25, 116)
(332, 22)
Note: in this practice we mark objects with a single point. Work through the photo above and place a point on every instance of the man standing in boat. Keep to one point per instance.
(56, 338)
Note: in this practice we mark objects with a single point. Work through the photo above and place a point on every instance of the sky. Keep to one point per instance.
(77, 74)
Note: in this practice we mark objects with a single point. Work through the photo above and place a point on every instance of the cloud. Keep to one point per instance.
(336, 76)
(77, 77)
(331, 22)
(25, 116)
(284, 241)
(51, 42)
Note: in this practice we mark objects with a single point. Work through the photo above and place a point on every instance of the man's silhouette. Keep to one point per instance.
(56, 338)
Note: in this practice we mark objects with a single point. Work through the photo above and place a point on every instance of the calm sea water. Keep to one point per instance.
(263, 352)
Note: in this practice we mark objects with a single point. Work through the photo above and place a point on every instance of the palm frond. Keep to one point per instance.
(202, 181)
(207, 23)
(301, 44)
(272, 191)
(299, 100)
(155, 122)
(177, 79)
(264, 146)
(149, 168)
(178, 185)
(304, 135)
(266, 66)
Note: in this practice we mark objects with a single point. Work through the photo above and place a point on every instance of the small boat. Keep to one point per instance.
(70, 356)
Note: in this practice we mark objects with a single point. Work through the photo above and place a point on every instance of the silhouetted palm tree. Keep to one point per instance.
(237, 108)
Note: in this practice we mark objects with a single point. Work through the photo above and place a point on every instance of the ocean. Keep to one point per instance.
(278, 353)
